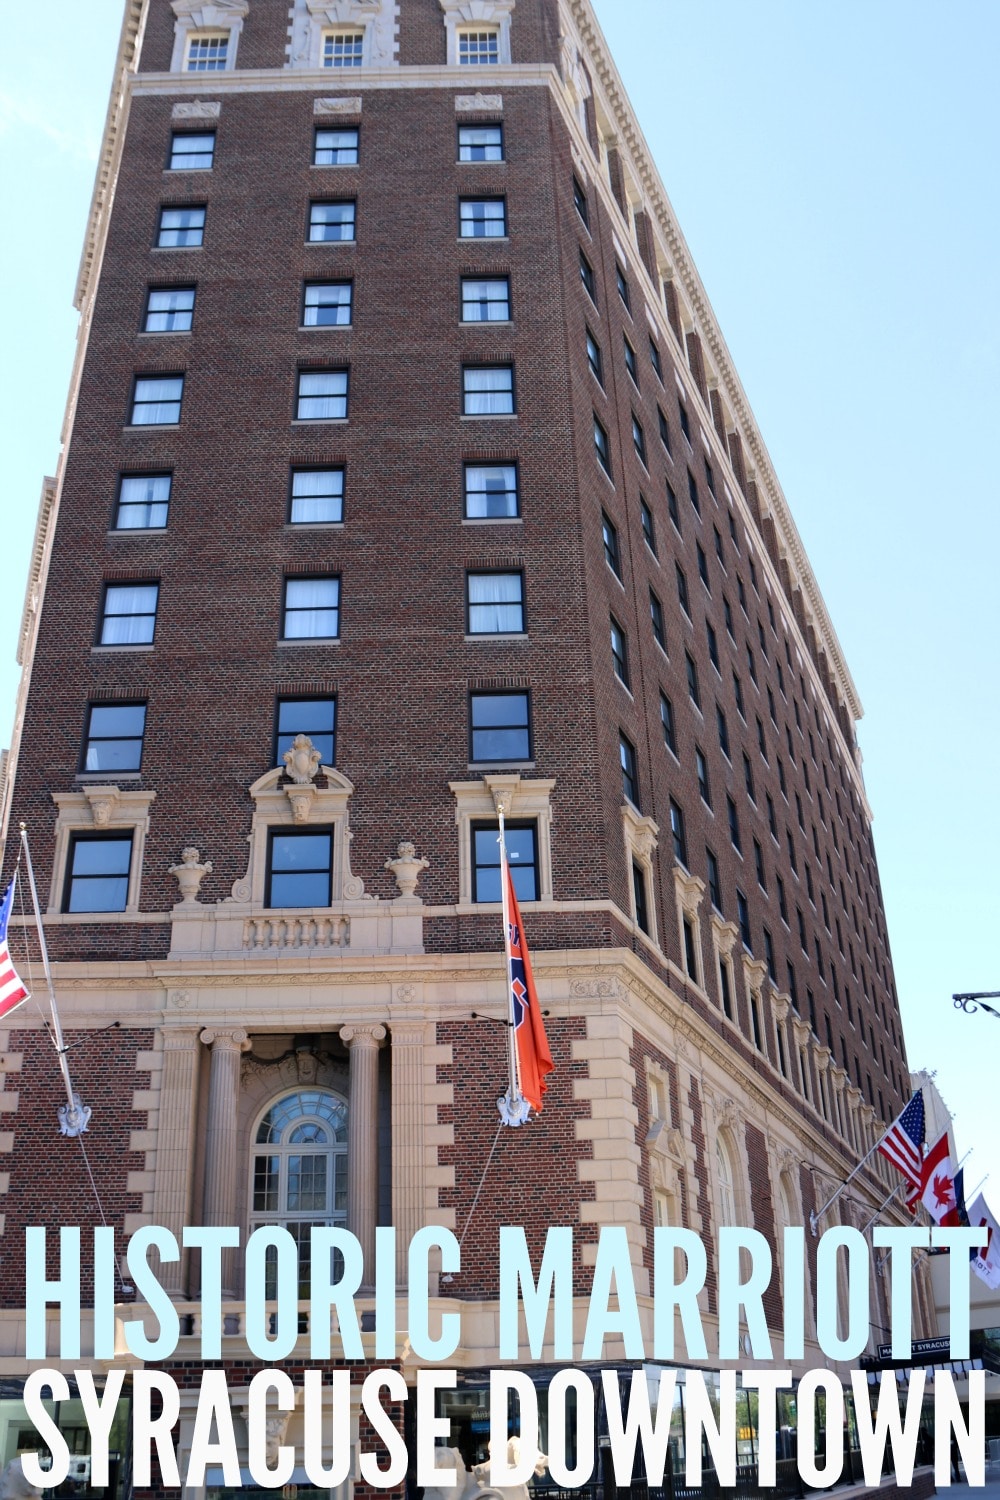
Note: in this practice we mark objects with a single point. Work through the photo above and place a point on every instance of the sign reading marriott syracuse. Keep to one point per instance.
(530, 1298)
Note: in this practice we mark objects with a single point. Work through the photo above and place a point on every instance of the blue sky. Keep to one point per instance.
(833, 168)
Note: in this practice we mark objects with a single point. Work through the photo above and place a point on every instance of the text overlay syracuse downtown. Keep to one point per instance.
(533, 1300)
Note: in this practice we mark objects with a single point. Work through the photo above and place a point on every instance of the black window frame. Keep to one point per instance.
(714, 879)
(619, 652)
(180, 135)
(477, 694)
(471, 573)
(466, 200)
(103, 618)
(639, 440)
(123, 478)
(622, 286)
(629, 765)
(296, 469)
(89, 737)
(463, 303)
(148, 312)
(655, 359)
(668, 723)
(489, 416)
(311, 285)
(310, 578)
(77, 839)
(631, 361)
(678, 833)
(580, 200)
(612, 549)
(461, 145)
(282, 831)
(588, 279)
(657, 622)
(648, 525)
(283, 700)
(470, 464)
(517, 825)
(331, 239)
(703, 776)
(305, 370)
(175, 208)
(691, 669)
(319, 130)
(140, 376)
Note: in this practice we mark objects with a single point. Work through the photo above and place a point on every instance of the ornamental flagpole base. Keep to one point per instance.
(514, 1109)
(74, 1120)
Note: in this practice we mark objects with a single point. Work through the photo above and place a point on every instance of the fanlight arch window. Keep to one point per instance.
(298, 1170)
(727, 1183)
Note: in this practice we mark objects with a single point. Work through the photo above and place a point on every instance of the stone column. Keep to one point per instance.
(224, 1161)
(407, 1137)
(175, 1143)
(362, 1139)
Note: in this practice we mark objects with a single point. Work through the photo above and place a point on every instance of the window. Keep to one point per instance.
(580, 201)
(522, 858)
(723, 728)
(761, 739)
(207, 52)
(714, 880)
(97, 872)
(693, 492)
(677, 833)
(495, 603)
(701, 771)
(322, 396)
(491, 491)
(734, 825)
(655, 361)
(690, 950)
(703, 566)
(748, 777)
(156, 400)
(772, 968)
(685, 421)
(648, 530)
(782, 903)
(485, 301)
(191, 152)
(743, 918)
(299, 1174)
(312, 609)
(656, 617)
(631, 363)
(169, 310)
(638, 439)
(619, 651)
(601, 444)
(499, 727)
(726, 988)
(114, 738)
(622, 286)
(594, 358)
(336, 148)
(180, 227)
(732, 531)
(738, 695)
(713, 644)
(728, 616)
(664, 429)
(476, 48)
(639, 897)
(317, 497)
(315, 717)
(720, 554)
(129, 614)
(682, 590)
(343, 49)
(480, 143)
(667, 721)
(709, 477)
(482, 218)
(692, 679)
(630, 770)
(299, 867)
(609, 532)
(487, 390)
(672, 510)
(758, 861)
(331, 222)
(143, 502)
(327, 304)
(587, 277)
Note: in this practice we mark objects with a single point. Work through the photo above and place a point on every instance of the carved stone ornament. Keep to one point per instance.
(478, 103)
(197, 109)
(302, 761)
(780, 1004)
(189, 874)
(690, 889)
(726, 934)
(103, 801)
(406, 867)
(342, 106)
(210, 13)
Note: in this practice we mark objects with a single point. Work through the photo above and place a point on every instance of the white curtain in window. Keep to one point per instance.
(495, 603)
(488, 392)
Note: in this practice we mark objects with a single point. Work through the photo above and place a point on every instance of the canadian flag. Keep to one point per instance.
(937, 1184)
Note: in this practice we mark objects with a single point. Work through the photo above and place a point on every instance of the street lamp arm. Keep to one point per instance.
(973, 1001)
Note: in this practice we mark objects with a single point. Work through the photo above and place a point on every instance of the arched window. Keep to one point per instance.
(298, 1170)
(727, 1184)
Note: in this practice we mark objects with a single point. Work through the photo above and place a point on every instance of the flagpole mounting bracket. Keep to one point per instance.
(73, 1121)
(514, 1108)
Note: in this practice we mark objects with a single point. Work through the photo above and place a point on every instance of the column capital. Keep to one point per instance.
(407, 1033)
(362, 1036)
(226, 1041)
(179, 1038)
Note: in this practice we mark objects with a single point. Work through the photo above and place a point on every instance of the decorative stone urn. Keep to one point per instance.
(189, 875)
(407, 868)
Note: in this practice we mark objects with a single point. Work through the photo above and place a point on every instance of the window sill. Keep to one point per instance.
(164, 333)
(85, 777)
(323, 327)
(137, 531)
(482, 239)
(486, 322)
(488, 416)
(151, 426)
(327, 166)
(501, 765)
(309, 640)
(169, 171)
(314, 526)
(326, 244)
(319, 421)
(103, 650)
(492, 520)
(521, 635)
(169, 249)
(496, 161)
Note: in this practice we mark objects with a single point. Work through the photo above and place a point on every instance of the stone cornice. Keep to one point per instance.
(642, 159)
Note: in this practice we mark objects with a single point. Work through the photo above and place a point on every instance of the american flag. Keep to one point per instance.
(903, 1142)
(12, 991)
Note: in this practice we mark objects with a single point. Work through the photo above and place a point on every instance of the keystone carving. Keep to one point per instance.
(478, 102)
(338, 106)
(103, 802)
(196, 110)
(406, 868)
(189, 874)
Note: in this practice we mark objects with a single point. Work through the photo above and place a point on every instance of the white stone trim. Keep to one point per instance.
(529, 801)
(313, 20)
(477, 15)
(291, 805)
(211, 17)
(640, 836)
(689, 890)
(100, 809)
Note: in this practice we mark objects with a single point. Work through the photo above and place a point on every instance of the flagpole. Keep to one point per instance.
(513, 1107)
(883, 1205)
(73, 1116)
(817, 1214)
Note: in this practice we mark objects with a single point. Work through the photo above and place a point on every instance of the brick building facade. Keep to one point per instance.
(401, 420)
